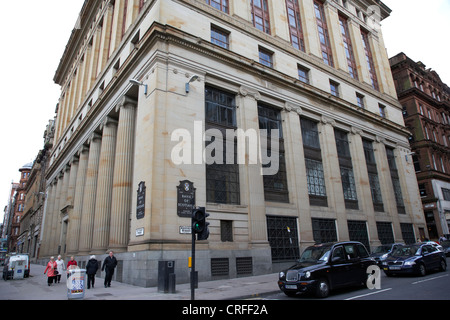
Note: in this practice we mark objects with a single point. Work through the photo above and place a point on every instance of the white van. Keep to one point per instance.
(16, 266)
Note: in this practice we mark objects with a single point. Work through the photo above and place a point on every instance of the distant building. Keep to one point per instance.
(311, 75)
(31, 222)
(426, 110)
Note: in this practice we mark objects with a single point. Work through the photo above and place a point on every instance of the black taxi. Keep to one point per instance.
(327, 266)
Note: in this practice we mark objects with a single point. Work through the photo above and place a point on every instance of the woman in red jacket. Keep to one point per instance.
(51, 268)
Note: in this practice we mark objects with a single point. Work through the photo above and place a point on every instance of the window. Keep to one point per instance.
(348, 48)
(373, 176)
(226, 231)
(369, 60)
(346, 167)
(221, 5)
(446, 194)
(385, 233)
(303, 74)
(357, 231)
(275, 186)
(260, 15)
(315, 178)
(295, 26)
(395, 180)
(222, 180)
(266, 57)
(382, 110)
(283, 238)
(324, 230)
(408, 233)
(220, 37)
(323, 33)
(334, 88)
(360, 100)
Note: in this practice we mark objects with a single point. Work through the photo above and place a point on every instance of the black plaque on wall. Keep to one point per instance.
(140, 207)
(185, 198)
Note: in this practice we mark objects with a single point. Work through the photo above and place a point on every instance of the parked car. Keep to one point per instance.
(13, 262)
(446, 247)
(324, 267)
(434, 244)
(380, 253)
(414, 259)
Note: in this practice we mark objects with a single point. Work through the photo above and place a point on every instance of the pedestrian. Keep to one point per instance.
(109, 264)
(60, 267)
(91, 270)
(72, 264)
(51, 270)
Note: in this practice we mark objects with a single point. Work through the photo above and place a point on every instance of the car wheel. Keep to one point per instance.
(443, 265)
(323, 289)
(422, 270)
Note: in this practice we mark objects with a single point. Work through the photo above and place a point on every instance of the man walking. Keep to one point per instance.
(109, 264)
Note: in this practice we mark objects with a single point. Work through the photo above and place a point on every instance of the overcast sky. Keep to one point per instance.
(34, 34)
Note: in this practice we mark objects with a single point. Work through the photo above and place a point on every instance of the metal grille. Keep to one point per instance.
(220, 267)
(283, 238)
(407, 233)
(324, 230)
(244, 266)
(385, 234)
(357, 231)
(292, 275)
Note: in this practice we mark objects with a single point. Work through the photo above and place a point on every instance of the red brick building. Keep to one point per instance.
(426, 111)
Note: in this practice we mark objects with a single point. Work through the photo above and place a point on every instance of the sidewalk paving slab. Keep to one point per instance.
(35, 288)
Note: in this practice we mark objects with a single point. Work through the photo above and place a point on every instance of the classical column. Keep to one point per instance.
(45, 241)
(73, 236)
(90, 190)
(53, 246)
(123, 176)
(104, 187)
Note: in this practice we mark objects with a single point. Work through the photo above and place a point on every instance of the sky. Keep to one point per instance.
(34, 34)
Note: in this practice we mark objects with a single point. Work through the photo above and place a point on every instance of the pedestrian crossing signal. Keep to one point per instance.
(199, 224)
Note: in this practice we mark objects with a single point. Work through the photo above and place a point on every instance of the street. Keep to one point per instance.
(434, 286)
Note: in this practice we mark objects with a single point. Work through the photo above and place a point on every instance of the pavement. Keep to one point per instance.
(35, 288)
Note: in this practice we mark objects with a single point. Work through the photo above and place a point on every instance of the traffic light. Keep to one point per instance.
(199, 224)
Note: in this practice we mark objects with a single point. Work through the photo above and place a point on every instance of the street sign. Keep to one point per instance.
(185, 198)
(185, 229)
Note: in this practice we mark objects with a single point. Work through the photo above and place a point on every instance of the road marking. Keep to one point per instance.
(434, 278)
(368, 294)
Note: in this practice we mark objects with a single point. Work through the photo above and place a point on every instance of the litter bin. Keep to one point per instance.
(76, 284)
(166, 276)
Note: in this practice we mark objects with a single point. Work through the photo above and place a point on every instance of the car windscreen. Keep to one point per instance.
(382, 249)
(407, 251)
(316, 254)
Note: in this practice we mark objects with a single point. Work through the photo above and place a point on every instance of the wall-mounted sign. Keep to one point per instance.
(185, 198)
(140, 207)
(139, 232)
(185, 229)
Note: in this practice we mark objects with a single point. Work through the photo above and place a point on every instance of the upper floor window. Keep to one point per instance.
(323, 33)
(348, 48)
(295, 26)
(303, 74)
(334, 88)
(266, 57)
(221, 5)
(260, 15)
(369, 59)
(220, 37)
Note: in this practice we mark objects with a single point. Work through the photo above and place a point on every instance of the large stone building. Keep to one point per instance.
(426, 110)
(314, 72)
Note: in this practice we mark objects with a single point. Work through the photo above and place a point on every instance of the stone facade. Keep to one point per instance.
(211, 65)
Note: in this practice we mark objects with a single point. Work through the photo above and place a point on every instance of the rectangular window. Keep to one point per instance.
(374, 183)
(352, 69)
(221, 5)
(275, 186)
(385, 233)
(324, 230)
(346, 167)
(334, 88)
(222, 180)
(382, 109)
(357, 231)
(369, 60)
(266, 57)
(446, 194)
(303, 74)
(395, 180)
(282, 234)
(226, 231)
(220, 37)
(360, 100)
(315, 178)
(260, 15)
(408, 233)
(295, 26)
(324, 38)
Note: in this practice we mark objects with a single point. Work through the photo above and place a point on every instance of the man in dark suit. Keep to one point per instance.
(109, 264)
